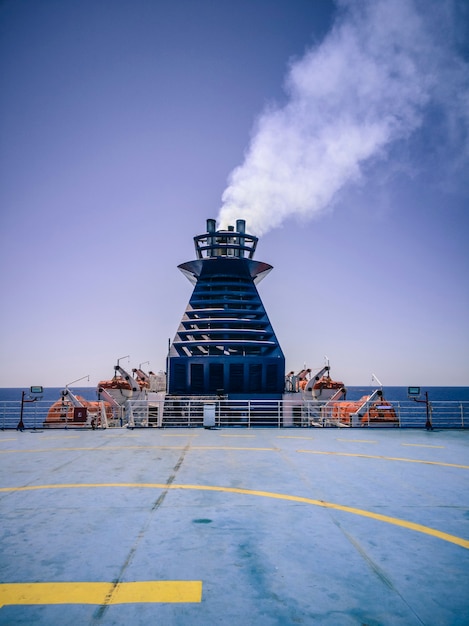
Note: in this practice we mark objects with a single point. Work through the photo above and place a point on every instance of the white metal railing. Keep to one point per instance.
(189, 413)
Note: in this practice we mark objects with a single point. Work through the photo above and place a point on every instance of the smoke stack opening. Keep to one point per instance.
(241, 226)
(226, 242)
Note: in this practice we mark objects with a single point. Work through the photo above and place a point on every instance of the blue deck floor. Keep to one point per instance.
(251, 527)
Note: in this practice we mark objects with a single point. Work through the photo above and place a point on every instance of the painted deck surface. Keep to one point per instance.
(234, 526)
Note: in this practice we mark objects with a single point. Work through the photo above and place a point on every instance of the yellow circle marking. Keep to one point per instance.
(385, 458)
(459, 541)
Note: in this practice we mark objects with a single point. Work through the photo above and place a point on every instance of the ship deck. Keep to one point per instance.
(234, 526)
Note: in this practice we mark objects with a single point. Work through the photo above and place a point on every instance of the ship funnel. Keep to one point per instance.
(225, 340)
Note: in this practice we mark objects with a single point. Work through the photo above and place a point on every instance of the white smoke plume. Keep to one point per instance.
(372, 80)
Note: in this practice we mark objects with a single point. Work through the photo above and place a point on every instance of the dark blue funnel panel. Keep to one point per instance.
(225, 343)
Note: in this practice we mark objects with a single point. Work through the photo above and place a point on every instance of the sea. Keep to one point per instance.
(397, 394)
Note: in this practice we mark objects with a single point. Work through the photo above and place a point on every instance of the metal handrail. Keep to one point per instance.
(188, 412)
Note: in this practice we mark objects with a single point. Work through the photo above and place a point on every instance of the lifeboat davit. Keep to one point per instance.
(329, 406)
(119, 388)
(325, 388)
(366, 411)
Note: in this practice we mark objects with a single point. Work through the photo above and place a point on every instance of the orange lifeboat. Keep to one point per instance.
(380, 412)
(65, 413)
(117, 382)
(342, 411)
(325, 383)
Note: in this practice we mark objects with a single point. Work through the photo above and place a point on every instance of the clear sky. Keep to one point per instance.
(339, 130)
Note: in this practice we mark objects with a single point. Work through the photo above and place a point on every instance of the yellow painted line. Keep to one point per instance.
(464, 543)
(94, 449)
(232, 448)
(358, 440)
(100, 593)
(120, 435)
(63, 437)
(293, 437)
(386, 458)
(421, 445)
(110, 448)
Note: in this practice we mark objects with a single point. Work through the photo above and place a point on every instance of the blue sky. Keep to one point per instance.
(338, 130)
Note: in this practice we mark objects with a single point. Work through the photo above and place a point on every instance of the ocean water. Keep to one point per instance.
(398, 394)
(50, 394)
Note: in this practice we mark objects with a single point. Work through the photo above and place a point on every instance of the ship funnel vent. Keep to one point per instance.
(232, 242)
(241, 226)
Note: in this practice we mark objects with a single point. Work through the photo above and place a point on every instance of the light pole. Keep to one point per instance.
(415, 391)
(23, 401)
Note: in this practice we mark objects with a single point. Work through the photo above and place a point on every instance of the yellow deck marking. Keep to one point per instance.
(421, 445)
(459, 541)
(232, 448)
(101, 593)
(94, 449)
(108, 448)
(57, 437)
(293, 437)
(358, 440)
(385, 458)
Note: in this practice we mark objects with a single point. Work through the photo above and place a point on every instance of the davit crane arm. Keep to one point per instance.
(69, 396)
(127, 377)
(314, 379)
